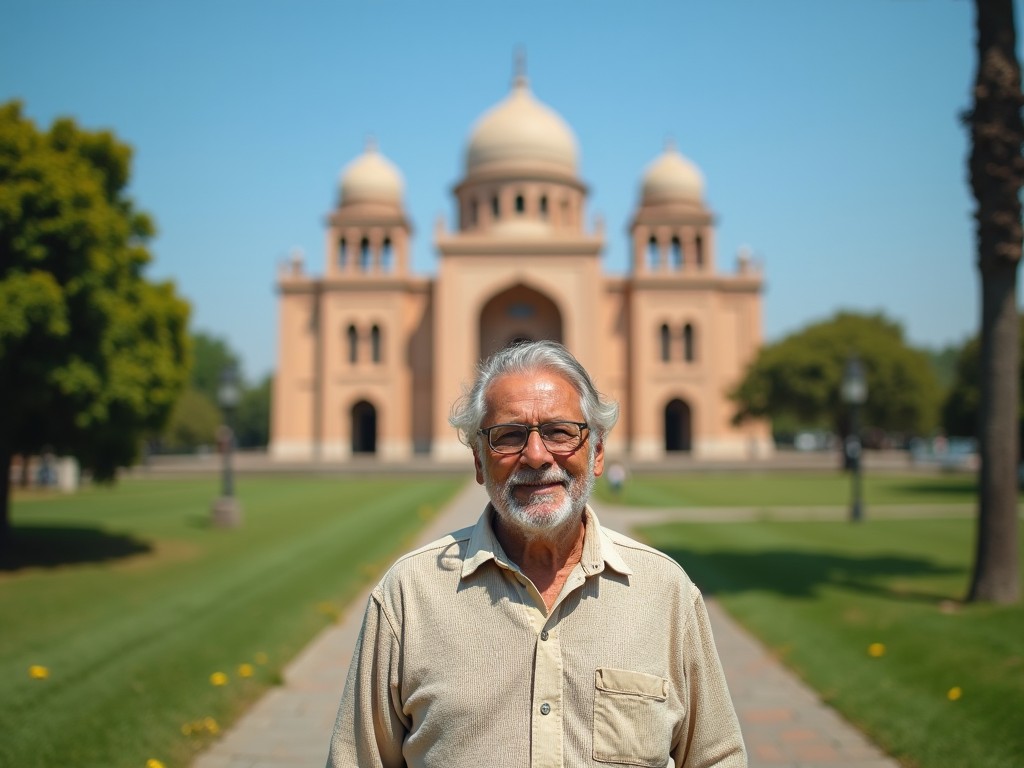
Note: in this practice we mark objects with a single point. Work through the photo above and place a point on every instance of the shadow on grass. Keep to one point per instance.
(803, 574)
(50, 547)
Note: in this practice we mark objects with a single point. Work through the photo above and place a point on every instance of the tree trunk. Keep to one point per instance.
(5, 500)
(997, 171)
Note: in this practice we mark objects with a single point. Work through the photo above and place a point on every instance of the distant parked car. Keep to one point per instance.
(948, 453)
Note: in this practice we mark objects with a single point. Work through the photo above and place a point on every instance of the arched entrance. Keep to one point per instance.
(678, 427)
(518, 314)
(364, 428)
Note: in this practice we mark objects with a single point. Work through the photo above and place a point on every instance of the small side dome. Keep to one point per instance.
(521, 129)
(371, 178)
(672, 178)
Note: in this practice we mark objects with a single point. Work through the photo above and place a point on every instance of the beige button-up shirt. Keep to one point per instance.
(460, 665)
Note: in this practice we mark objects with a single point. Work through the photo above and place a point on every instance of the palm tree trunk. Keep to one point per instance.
(997, 173)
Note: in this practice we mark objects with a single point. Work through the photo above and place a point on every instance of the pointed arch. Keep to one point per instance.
(519, 312)
(689, 343)
(375, 344)
(652, 253)
(666, 343)
(363, 420)
(678, 427)
(676, 261)
(352, 336)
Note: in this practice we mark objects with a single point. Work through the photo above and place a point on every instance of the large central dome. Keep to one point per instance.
(521, 131)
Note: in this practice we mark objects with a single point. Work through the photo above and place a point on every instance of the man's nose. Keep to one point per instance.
(536, 454)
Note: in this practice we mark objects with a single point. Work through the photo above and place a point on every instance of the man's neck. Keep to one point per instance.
(545, 557)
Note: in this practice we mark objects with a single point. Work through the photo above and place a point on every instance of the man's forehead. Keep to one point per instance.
(541, 384)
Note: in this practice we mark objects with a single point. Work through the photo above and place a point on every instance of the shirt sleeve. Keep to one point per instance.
(370, 727)
(712, 736)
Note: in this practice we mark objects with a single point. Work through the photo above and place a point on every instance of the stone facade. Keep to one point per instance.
(371, 356)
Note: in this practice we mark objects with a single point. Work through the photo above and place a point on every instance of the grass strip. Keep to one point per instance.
(943, 683)
(131, 601)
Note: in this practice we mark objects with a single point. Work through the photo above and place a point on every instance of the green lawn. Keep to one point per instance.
(787, 489)
(820, 593)
(131, 601)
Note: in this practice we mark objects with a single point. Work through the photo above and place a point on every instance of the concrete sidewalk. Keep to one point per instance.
(785, 725)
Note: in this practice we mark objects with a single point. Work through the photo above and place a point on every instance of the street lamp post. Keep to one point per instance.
(227, 511)
(854, 392)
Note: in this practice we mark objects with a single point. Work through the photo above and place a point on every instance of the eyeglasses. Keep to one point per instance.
(559, 437)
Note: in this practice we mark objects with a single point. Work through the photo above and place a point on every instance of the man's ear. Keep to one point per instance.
(479, 467)
(599, 459)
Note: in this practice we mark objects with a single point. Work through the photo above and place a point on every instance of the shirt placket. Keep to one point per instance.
(546, 720)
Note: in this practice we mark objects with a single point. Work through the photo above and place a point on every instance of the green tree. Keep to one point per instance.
(210, 357)
(252, 421)
(996, 168)
(193, 423)
(91, 354)
(799, 377)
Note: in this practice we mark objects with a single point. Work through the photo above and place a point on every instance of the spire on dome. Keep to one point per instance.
(519, 79)
(371, 144)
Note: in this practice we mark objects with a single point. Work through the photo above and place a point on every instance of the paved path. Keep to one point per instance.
(784, 723)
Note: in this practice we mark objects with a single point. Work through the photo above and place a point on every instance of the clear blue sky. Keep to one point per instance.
(827, 131)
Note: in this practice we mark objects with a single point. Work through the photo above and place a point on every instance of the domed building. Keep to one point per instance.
(372, 356)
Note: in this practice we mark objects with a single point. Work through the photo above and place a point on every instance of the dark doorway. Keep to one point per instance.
(364, 428)
(678, 427)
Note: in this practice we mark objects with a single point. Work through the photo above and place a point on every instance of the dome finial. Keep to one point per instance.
(371, 144)
(519, 68)
(670, 143)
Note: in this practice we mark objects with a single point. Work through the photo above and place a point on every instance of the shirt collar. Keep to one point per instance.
(598, 549)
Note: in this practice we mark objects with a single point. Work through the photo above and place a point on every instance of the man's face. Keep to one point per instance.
(536, 490)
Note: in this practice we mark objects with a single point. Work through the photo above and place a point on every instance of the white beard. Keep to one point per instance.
(543, 512)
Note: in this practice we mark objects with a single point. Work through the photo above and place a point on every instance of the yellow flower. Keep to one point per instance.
(245, 670)
(186, 729)
(38, 672)
(211, 725)
(218, 678)
(154, 763)
(261, 658)
(876, 650)
(954, 693)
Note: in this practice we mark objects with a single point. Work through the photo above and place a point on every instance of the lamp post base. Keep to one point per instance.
(226, 512)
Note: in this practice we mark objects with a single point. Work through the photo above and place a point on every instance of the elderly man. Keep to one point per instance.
(536, 637)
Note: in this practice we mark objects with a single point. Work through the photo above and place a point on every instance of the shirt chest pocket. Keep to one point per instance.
(631, 718)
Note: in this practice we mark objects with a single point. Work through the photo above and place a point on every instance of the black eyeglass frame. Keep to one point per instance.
(582, 425)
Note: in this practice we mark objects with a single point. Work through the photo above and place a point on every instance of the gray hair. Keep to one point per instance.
(468, 411)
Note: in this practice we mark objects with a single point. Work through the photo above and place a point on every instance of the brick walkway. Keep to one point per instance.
(784, 723)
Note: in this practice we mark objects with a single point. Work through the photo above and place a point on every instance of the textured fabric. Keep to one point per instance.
(460, 665)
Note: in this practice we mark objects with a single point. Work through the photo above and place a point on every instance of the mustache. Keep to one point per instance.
(527, 476)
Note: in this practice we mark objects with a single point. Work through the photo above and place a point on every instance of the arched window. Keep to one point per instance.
(342, 253)
(689, 352)
(666, 344)
(652, 253)
(365, 260)
(677, 254)
(543, 206)
(699, 245)
(386, 255)
(375, 344)
(520, 204)
(495, 207)
(353, 344)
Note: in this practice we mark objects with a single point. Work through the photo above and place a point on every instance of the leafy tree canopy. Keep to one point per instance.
(91, 353)
(211, 356)
(960, 411)
(799, 377)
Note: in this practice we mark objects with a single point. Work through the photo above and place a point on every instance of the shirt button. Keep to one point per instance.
(544, 635)
(545, 708)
